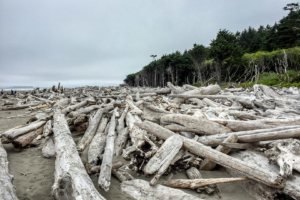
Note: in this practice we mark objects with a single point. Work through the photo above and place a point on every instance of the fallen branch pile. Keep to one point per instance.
(252, 133)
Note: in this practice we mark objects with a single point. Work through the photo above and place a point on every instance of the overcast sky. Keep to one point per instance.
(99, 42)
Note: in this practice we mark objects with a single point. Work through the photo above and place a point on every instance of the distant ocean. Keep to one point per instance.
(17, 88)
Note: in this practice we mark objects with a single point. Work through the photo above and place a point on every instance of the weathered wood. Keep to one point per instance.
(97, 145)
(21, 131)
(71, 179)
(7, 190)
(153, 113)
(286, 153)
(253, 135)
(62, 103)
(25, 139)
(141, 190)
(20, 107)
(195, 183)
(236, 125)
(122, 134)
(194, 173)
(48, 150)
(207, 164)
(194, 124)
(96, 169)
(106, 166)
(258, 174)
(92, 128)
(83, 110)
(209, 90)
(47, 128)
(163, 158)
(262, 191)
(134, 109)
(73, 107)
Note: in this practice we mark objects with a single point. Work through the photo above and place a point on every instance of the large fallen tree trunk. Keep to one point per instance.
(262, 191)
(71, 179)
(194, 124)
(207, 164)
(162, 159)
(195, 183)
(48, 150)
(286, 153)
(25, 139)
(153, 113)
(209, 90)
(106, 166)
(83, 111)
(7, 190)
(20, 107)
(91, 130)
(141, 190)
(255, 173)
(73, 107)
(122, 133)
(284, 132)
(236, 125)
(21, 131)
(97, 145)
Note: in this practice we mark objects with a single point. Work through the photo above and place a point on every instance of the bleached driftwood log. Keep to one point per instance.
(62, 103)
(122, 134)
(193, 124)
(255, 173)
(83, 110)
(97, 145)
(253, 135)
(261, 191)
(21, 131)
(74, 107)
(209, 90)
(71, 179)
(195, 183)
(236, 125)
(48, 150)
(20, 107)
(141, 190)
(47, 128)
(206, 164)
(153, 113)
(134, 109)
(163, 158)
(92, 128)
(7, 190)
(25, 139)
(193, 173)
(106, 166)
(286, 153)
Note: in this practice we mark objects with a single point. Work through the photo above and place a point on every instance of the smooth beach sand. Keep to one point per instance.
(34, 174)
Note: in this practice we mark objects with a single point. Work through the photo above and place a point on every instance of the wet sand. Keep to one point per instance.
(34, 174)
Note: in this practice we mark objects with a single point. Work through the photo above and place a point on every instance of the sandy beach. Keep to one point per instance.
(34, 174)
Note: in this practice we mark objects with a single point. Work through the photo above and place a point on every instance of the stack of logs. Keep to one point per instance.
(252, 133)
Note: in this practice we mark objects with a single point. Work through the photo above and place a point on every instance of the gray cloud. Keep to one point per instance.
(100, 42)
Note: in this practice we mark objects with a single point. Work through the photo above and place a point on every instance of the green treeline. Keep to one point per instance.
(231, 57)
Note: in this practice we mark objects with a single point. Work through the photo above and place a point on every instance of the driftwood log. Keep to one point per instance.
(97, 145)
(141, 190)
(71, 179)
(106, 166)
(162, 159)
(25, 139)
(255, 173)
(7, 190)
(92, 128)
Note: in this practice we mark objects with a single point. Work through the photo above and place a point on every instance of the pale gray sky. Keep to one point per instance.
(99, 42)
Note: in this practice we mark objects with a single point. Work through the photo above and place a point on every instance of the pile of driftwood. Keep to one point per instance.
(252, 133)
